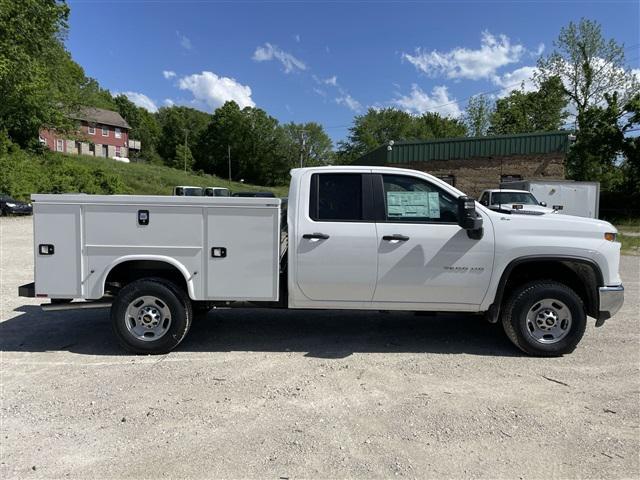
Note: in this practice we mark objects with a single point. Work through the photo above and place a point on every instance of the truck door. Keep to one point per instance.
(336, 246)
(424, 257)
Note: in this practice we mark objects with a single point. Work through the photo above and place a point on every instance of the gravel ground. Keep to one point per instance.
(310, 394)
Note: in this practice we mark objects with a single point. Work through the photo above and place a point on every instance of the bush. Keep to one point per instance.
(25, 173)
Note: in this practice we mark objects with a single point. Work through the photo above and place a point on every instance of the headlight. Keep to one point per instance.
(610, 236)
(11, 204)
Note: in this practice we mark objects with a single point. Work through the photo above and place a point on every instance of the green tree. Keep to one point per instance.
(588, 65)
(477, 115)
(604, 150)
(542, 110)
(183, 159)
(378, 127)
(31, 33)
(176, 123)
(144, 127)
(307, 142)
(256, 143)
(594, 73)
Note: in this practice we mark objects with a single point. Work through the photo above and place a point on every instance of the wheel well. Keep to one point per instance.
(132, 270)
(582, 277)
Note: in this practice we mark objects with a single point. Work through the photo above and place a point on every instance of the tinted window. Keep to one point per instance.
(410, 199)
(336, 196)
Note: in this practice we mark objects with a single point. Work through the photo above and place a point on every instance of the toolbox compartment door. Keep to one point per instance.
(243, 253)
(57, 245)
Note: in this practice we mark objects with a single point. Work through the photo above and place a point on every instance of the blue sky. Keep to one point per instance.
(326, 61)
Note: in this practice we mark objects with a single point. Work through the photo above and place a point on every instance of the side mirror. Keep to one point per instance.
(543, 204)
(468, 218)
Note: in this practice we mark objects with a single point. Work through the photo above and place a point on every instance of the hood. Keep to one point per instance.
(538, 209)
(563, 225)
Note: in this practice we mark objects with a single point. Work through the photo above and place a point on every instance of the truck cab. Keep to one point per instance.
(367, 238)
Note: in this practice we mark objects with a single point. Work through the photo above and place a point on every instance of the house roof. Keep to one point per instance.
(100, 115)
(404, 152)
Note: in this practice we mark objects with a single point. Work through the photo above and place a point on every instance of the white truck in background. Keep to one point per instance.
(368, 238)
(569, 197)
(513, 201)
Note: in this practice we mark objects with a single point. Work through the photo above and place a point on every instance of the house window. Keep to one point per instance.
(105, 131)
(118, 133)
(117, 150)
(60, 145)
(91, 129)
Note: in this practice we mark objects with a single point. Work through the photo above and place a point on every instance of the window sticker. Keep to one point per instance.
(434, 205)
(413, 205)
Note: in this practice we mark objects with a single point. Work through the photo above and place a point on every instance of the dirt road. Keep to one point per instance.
(277, 394)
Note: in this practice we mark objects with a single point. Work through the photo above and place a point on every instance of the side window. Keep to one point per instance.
(484, 200)
(336, 197)
(410, 199)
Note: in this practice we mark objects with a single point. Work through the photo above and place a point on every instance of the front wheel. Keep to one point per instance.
(151, 316)
(544, 318)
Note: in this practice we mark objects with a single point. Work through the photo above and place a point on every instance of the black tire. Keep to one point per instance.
(522, 332)
(171, 299)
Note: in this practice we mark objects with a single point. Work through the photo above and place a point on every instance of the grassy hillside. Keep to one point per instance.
(25, 173)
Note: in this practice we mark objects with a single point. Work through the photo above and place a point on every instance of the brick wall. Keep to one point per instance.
(472, 176)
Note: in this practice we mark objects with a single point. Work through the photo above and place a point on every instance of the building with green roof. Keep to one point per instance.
(473, 164)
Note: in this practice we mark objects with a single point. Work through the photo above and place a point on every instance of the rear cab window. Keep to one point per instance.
(336, 197)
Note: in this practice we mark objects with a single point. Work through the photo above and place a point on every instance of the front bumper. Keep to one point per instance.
(611, 300)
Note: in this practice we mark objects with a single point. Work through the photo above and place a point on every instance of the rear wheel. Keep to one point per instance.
(151, 316)
(544, 318)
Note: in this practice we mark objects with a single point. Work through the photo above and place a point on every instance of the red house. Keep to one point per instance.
(101, 133)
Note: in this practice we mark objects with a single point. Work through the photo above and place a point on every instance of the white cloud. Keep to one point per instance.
(419, 101)
(297, 37)
(168, 74)
(141, 100)
(269, 52)
(211, 90)
(349, 102)
(520, 77)
(168, 102)
(320, 92)
(333, 81)
(494, 52)
(185, 42)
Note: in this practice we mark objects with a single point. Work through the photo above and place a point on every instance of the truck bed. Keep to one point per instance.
(227, 248)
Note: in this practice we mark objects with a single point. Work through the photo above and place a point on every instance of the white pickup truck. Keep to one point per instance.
(353, 238)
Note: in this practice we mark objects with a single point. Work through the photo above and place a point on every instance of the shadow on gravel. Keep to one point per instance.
(321, 334)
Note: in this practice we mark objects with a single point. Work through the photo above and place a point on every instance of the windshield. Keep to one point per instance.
(524, 198)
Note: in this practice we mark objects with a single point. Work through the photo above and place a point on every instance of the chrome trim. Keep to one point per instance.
(611, 300)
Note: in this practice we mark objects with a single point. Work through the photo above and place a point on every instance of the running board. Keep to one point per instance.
(52, 307)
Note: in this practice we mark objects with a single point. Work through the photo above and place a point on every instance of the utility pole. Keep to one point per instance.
(184, 153)
(303, 142)
(229, 156)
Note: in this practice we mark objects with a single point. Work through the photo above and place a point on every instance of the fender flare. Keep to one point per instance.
(156, 258)
(494, 309)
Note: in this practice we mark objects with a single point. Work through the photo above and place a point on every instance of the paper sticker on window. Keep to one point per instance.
(413, 205)
(434, 205)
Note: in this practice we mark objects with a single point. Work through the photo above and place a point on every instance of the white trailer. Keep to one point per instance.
(354, 238)
(581, 199)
